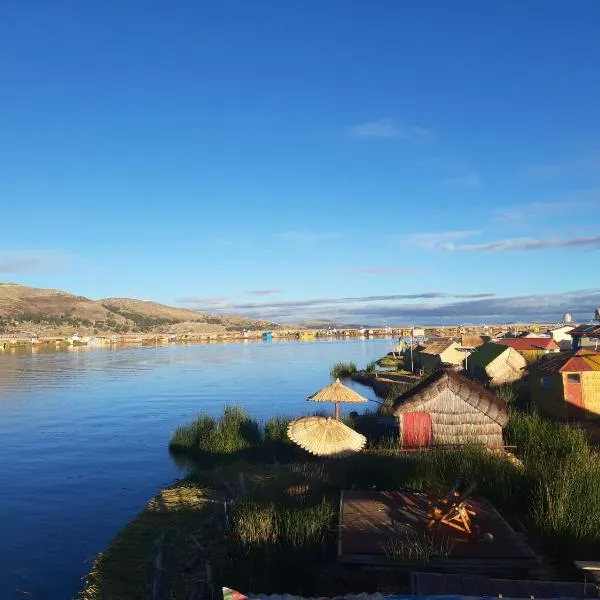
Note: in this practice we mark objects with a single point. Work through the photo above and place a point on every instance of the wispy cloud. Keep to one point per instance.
(436, 239)
(313, 302)
(527, 244)
(428, 307)
(206, 302)
(309, 237)
(469, 181)
(388, 129)
(532, 307)
(571, 202)
(263, 292)
(550, 170)
(23, 262)
(381, 270)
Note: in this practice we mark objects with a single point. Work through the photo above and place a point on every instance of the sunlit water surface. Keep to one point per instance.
(84, 437)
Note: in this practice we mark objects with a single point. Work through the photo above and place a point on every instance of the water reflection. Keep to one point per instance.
(86, 431)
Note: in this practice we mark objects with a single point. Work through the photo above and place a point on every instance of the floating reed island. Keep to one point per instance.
(258, 512)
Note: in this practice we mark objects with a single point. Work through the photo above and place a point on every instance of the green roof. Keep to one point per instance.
(486, 353)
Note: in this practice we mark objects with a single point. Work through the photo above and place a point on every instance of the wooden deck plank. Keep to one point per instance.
(372, 523)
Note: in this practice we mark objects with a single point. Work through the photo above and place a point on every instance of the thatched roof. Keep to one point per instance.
(486, 353)
(572, 362)
(323, 436)
(472, 341)
(337, 392)
(437, 346)
(474, 394)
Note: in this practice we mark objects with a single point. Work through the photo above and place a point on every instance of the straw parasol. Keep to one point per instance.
(337, 392)
(324, 436)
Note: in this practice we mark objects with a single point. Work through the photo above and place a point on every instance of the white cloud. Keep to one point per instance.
(526, 244)
(263, 292)
(389, 129)
(436, 239)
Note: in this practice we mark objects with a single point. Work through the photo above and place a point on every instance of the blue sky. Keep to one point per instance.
(362, 161)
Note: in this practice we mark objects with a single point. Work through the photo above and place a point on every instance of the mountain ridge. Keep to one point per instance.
(49, 310)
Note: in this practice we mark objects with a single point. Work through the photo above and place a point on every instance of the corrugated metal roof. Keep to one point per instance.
(586, 330)
(522, 344)
(570, 362)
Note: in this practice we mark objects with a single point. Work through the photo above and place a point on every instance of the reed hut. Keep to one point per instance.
(448, 409)
(439, 352)
(496, 364)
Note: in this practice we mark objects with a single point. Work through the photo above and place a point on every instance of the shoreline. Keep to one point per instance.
(109, 339)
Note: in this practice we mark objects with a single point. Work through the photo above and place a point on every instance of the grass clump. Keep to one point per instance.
(390, 362)
(371, 367)
(544, 442)
(276, 430)
(562, 475)
(343, 369)
(231, 433)
(265, 537)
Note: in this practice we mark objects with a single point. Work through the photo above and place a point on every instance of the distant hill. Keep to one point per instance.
(49, 312)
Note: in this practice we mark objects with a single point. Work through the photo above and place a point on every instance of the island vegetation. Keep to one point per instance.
(256, 513)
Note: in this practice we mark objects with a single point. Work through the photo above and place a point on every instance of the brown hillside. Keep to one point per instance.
(151, 309)
(55, 308)
(18, 300)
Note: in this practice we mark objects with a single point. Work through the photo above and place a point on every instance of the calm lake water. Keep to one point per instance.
(84, 437)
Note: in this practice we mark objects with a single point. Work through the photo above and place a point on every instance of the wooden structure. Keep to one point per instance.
(496, 364)
(586, 336)
(454, 510)
(567, 385)
(391, 529)
(591, 570)
(439, 352)
(458, 411)
(440, 584)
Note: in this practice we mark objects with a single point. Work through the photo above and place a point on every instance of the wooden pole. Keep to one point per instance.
(336, 413)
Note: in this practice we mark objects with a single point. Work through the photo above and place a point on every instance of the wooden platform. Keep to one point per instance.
(437, 584)
(390, 529)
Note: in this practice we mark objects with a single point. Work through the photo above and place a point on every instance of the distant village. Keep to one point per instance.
(558, 367)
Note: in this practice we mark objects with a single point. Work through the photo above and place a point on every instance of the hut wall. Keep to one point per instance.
(590, 381)
(548, 394)
(454, 421)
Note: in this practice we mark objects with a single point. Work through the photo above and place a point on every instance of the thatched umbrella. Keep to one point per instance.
(337, 392)
(324, 436)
